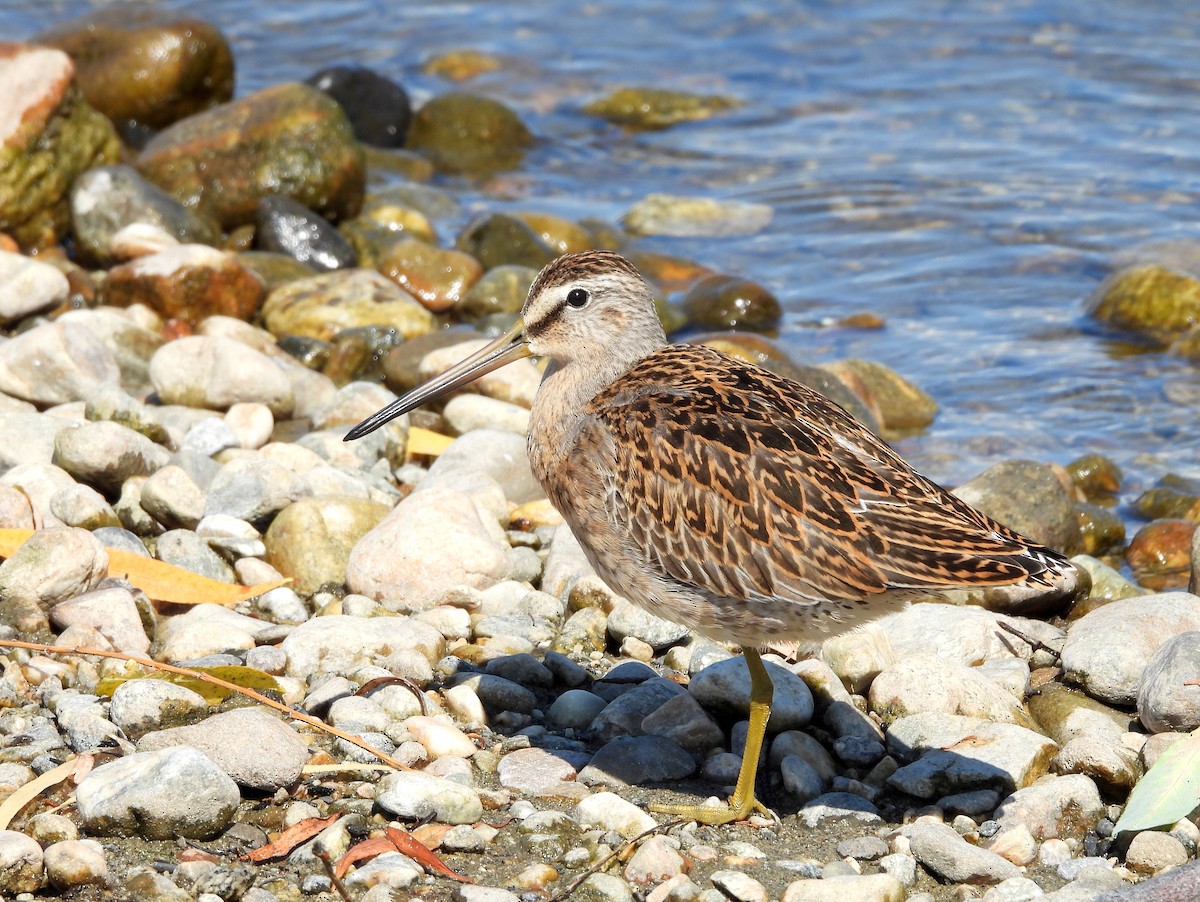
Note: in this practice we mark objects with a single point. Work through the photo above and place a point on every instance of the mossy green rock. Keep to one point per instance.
(728, 302)
(321, 306)
(1100, 528)
(495, 239)
(290, 139)
(501, 290)
(51, 136)
(1151, 299)
(1095, 475)
(470, 135)
(310, 540)
(903, 407)
(654, 108)
(1065, 714)
(147, 68)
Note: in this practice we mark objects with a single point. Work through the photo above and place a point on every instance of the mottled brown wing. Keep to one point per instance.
(744, 484)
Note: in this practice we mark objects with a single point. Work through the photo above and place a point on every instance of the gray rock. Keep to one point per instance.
(258, 750)
(341, 644)
(534, 770)
(28, 286)
(1028, 497)
(574, 709)
(923, 683)
(833, 703)
(55, 363)
(172, 498)
(1165, 700)
(416, 795)
(1108, 648)
(724, 687)
(902, 867)
(838, 806)
(112, 611)
(966, 634)
(523, 669)
(1151, 852)
(629, 760)
(801, 780)
(496, 693)
(157, 795)
(626, 619)
(1054, 808)
(682, 720)
(940, 849)
(216, 372)
(794, 742)
(252, 489)
(52, 566)
(139, 706)
(1115, 767)
(498, 453)
(105, 454)
(391, 870)
(207, 629)
(83, 506)
(997, 756)
(184, 549)
(27, 438)
(623, 716)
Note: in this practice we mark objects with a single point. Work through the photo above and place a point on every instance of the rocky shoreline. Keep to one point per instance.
(185, 347)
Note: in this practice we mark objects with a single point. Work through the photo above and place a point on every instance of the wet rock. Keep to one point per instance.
(50, 135)
(940, 849)
(1160, 554)
(417, 795)
(496, 239)
(437, 277)
(285, 226)
(560, 235)
(432, 541)
(112, 611)
(928, 684)
(1114, 767)
(1065, 714)
(53, 565)
(224, 160)
(107, 199)
(106, 454)
(654, 108)
(190, 283)
(378, 109)
(952, 754)
(21, 862)
(1174, 497)
(1151, 852)
(724, 688)
(1168, 699)
(311, 539)
(28, 286)
(321, 306)
(257, 749)
(1026, 496)
(1153, 300)
(669, 214)
(343, 644)
(729, 302)
(55, 363)
(139, 706)
(1107, 583)
(1107, 649)
(215, 372)
(467, 134)
(629, 760)
(157, 795)
(1054, 808)
(502, 289)
(902, 407)
(147, 69)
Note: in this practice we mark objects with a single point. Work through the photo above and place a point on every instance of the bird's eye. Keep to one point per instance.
(577, 297)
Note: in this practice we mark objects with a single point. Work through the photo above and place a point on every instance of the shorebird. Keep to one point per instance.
(719, 495)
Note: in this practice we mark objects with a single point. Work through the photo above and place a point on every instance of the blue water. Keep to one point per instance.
(966, 170)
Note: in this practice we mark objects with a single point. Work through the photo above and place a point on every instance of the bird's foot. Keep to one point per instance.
(718, 815)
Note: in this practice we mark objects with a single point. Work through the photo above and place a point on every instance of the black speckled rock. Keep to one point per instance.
(378, 109)
(288, 227)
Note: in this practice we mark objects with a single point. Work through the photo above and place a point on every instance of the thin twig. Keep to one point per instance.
(216, 681)
(323, 856)
(616, 853)
(1034, 644)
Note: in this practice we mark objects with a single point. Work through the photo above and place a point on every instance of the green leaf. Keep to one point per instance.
(1169, 790)
(246, 677)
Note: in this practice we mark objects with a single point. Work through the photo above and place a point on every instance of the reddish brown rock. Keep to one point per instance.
(437, 277)
(1160, 554)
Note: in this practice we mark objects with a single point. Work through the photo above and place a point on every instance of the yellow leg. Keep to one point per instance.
(743, 802)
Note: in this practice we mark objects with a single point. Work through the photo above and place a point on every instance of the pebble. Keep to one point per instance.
(628, 760)
(391, 870)
(608, 811)
(1015, 844)
(683, 721)
(49, 828)
(800, 779)
(75, 863)
(414, 795)
(1054, 808)
(870, 888)
(53, 565)
(724, 688)
(1165, 700)
(157, 795)
(215, 372)
(624, 715)
(139, 706)
(665, 214)
(924, 683)
(1151, 852)
(1014, 889)
(28, 286)
(839, 806)
(1113, 766)
(654, 861)
(901, 866)
(56, 363)
(439, 738)
(113, 612)
(738, 886)
(940, 849)
(21, 861)
(285, 226)
(341, 644)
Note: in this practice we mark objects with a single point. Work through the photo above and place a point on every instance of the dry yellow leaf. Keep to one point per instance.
(426, 443)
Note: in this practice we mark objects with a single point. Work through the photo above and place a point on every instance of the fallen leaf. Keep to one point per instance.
(162, 582)
(290, 838)
(426, 443)
(422, 856)
(239, 675)
(430, 835)
(194, 854)
(29, 791)
(368, 848)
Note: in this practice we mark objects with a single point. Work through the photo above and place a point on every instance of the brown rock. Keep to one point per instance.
(1160, 554)
(437, 277)
(321, 306)
(902, 406)
(310, 540)
(1155, 300)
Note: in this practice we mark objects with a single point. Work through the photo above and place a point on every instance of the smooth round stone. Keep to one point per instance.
(84, 507)
(502, 289)
(682, 720)
(468, 412)
(720, 302)
(496, 239)
(839, 806)
(158, 795)
(499, 454)
(669, 214)
(1160, 552)
(310, 540)
(608, 811)
(108, 199)
(654, 861)
(523, 669)
(215, 372)
(49, 828)
(1113, 766)
(1015, 844)
(1028, 497)
(379, 109)
(1151, 852)
(437, 277)
(139, 706)
(206, 630)
(724, 687)
(534, 770)
(21, 861)
(54, 565)
(801, 780)
(1155, 300)
(1108, 649)
(359, 714)
(417, 795)
(341, 644)
(791, 743)
(945, 853)
(497, 694)
(1166, 702)
(863, 848)
(466, 133)
(172, 498)
(252, 489)
(112, 611)
(900, 405)
(516, 383)
(574, 709)
(654, 108)
(252, 423)
(258, 750)
(27, 437)
(106, 454)
(1055, 808)
(287, 227)
(925, 683)
(55, 364)
(624, 715)
(321, 306)
(75, 863)
(439, 738)
(392, 870)
(967, 635)
(28, 286)
(626, 619)
(184, 549)
(629, 760)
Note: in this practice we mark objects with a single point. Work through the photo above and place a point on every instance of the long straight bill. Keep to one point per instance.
(508, 347)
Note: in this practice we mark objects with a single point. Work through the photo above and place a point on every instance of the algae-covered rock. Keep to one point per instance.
(321, 306)
(467, 134)
(1154, 300)
(652, 108)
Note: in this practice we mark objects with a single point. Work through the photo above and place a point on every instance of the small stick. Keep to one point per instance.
(1035, 644)
(333, 878)
(616, 853)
